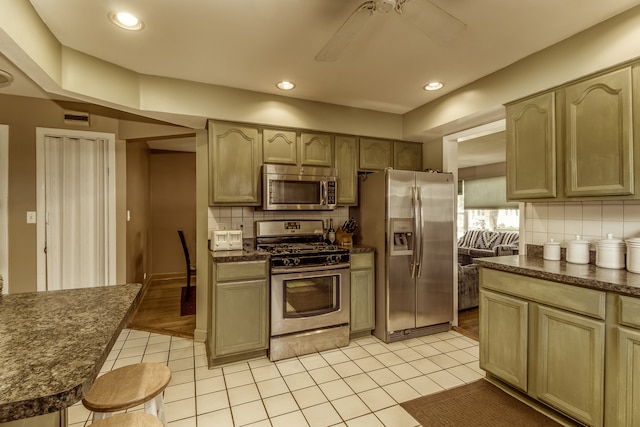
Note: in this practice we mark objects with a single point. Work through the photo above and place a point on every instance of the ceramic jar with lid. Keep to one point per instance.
(633, 254)
(578, 251)
(610, 252)
(551, 250)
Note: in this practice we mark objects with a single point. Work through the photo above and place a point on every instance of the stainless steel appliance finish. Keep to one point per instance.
(298, 188)
(408, 217)
(310, 288)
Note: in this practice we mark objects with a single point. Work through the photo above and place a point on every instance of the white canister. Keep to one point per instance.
(551, 250)
(610, 252)
(578, 251)
(633, 254)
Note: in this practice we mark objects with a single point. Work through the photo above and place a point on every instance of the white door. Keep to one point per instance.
(4, 208)
(76, 209)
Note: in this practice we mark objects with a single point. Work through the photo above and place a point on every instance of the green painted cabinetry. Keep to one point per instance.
(627, 364)
(240, 310)
(407, 155)
(375, 154)
(547, 339)
(316, 149)
(345, 161)
(279, 146)
(235, 159)
(362, 292)
(576, 142)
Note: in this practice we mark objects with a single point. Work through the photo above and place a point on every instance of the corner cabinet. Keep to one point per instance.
(345, 161)
(546, 339)
(576, 142)
(362, 293)
(240, 310)
(235, 159)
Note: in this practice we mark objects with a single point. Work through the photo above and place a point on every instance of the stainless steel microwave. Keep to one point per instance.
(298, 188)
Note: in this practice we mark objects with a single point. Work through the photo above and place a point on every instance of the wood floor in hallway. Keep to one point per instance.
(159, 310)
(468, 323)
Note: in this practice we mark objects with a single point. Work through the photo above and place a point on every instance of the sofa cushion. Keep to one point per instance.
(487, 240)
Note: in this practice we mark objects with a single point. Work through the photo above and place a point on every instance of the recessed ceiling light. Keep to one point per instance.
(434, 86)
(285, 85)
(126, 20)
(5, 78)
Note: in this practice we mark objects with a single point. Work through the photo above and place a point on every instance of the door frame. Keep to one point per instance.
(41, 134)
(4, 206)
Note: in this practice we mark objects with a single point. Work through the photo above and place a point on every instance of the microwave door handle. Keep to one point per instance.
(324, 191)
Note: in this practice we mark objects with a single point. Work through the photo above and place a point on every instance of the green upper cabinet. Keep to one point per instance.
(375, 154)
(235, 159)
(345, 161)
(531, 148)
(576, 142)
(599, 136)
(315, 149)
(407, 155)
(279, 146)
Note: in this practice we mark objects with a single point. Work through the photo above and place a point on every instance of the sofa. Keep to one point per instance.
(478, 244)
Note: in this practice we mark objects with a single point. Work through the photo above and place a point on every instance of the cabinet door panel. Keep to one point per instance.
(346, 158)
(503, 337)
(315, 149)
(407, 156)
(235, 157)
(531, 148)
(628, 377)
(362, 295)
(375, 154)
(241, 317)
(570, 364)
(279, 146)
(599, 136)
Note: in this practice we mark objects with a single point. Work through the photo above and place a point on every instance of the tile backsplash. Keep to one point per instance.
(592, 220)
(243, 218)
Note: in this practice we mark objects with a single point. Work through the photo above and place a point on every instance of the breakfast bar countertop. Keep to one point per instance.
(586, 275)
(53, 345)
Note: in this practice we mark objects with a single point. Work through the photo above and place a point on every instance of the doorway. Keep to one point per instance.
(75, 217)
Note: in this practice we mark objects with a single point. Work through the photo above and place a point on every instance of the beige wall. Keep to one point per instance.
(173, 205)
(138, 204)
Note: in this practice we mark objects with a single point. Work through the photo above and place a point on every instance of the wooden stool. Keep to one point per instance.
(132, 419)
(129, 386)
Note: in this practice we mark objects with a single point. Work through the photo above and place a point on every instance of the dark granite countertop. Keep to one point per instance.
(586, 275)
(53, 345)
(251, 254)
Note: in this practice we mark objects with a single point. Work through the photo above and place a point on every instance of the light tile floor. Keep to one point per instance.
(358, 385)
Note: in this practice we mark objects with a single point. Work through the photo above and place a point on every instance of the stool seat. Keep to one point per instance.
(132, 419)
(126, 387)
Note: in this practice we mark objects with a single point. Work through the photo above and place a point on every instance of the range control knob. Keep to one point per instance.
(286, 262)
(296, 261)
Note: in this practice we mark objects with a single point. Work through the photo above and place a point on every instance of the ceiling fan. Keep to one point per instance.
(434, 22)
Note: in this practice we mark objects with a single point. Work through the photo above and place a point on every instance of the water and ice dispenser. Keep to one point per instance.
(401, 236)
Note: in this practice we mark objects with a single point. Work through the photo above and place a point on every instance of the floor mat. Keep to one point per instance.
(477, 404)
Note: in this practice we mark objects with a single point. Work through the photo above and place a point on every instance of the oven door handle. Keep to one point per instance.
(285, 270)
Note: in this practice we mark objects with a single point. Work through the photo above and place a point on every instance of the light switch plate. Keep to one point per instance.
(31, 217)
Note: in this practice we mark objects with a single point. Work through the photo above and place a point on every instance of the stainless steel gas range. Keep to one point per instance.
(310, 288)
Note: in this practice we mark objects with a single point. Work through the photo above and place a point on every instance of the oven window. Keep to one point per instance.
(311, 296)
(294, 192)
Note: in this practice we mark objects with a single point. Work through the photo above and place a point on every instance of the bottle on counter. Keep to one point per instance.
(331, 234)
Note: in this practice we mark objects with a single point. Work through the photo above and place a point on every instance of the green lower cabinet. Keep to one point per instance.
(628, 377)
(504, 337)
(240, 304)
(362, 292)
(570, 364)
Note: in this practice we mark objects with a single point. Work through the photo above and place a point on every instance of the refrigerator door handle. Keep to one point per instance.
(419, 244)
(414, 257)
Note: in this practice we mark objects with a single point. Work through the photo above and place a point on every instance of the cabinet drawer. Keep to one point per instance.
(241, 270)
(360, 261)
(573, 298)
(629, 311)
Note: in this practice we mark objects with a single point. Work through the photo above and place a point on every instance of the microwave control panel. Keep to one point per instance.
(331, 192)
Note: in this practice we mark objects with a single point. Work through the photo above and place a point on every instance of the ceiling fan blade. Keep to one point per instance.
(346, 33)
(437, 24)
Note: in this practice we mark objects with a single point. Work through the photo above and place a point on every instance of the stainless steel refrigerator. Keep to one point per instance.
(408, 217)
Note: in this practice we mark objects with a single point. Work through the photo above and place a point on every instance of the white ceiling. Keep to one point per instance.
(252, 44)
